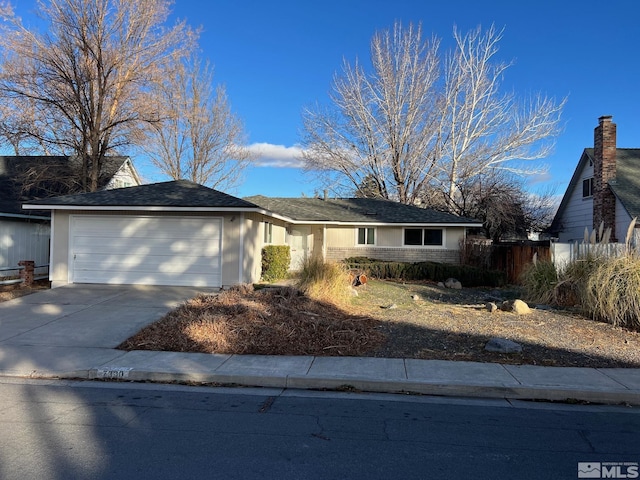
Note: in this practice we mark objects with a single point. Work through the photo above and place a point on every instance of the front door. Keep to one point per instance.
(299, 244)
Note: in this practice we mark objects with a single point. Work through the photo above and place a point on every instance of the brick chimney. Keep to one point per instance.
(604, 170)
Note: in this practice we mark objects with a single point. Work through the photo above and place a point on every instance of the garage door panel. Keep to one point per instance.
(151, 279)
(186, 265)
(146, 250)
(141, 227)
(152, 246)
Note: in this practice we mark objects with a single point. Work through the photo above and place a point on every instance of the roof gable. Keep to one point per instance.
(625, 185)
(587, 155)
(172, 194)
(355, 210)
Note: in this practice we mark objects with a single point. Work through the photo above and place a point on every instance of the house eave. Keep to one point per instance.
(147, 208)
(25, 217)
(154, 208)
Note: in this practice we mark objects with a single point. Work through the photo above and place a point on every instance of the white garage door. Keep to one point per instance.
(146, 250)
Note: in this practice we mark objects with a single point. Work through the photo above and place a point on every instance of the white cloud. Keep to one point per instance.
(279, 156)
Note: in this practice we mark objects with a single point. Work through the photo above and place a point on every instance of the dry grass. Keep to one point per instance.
(428, 322)
(273, 321)
(325, 281)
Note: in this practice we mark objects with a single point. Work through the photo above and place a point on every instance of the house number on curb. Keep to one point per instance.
(115, 372)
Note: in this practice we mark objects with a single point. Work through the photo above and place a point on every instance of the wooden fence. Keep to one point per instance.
(509, 257)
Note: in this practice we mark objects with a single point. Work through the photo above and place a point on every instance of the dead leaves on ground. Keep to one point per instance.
(271, 321)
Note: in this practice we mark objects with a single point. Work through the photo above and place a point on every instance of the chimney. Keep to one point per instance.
(604, 171)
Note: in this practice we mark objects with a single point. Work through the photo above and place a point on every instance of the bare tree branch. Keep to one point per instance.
(197, 136)
(415, 125)
(87, 76)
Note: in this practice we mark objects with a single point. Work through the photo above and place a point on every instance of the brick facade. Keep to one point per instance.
(604, 170)
(395, 254)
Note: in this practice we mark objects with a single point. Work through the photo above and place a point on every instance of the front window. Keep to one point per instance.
(268, 232)
(366, 236)
(423, 237)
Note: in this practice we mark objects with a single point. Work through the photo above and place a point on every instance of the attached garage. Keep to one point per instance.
(151, 250)
(169, 233)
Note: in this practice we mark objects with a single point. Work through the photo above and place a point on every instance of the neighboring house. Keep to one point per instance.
(182, 233)
(24, 234)
(605, 187)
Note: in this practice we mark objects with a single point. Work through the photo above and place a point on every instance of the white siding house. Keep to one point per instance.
(25, 234)
(605, 188)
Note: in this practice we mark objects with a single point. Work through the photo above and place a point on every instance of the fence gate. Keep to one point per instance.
(513, 258)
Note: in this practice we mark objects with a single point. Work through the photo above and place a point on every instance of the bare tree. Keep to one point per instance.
(384, 125)
(88, 75)
(483, 128)
(417, 124)
(198, 137)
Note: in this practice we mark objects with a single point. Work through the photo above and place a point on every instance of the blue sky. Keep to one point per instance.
(276, 57)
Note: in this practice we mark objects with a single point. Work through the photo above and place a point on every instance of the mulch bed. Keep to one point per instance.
(428, 322)
(270, 321)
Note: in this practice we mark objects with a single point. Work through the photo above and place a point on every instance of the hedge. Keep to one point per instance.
(438, 272)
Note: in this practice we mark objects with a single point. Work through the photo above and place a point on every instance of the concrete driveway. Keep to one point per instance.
(66, 328)
(99, 316)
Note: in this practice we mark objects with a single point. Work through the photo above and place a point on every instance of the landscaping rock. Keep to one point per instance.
(393, 306)
(520, 307)
(491, 307)
(441, 285)
(502, 345)
(506, 306)
(515, 306)
(453, 283)
(415, 297)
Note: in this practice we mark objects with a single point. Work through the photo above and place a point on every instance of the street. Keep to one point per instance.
(94, 430)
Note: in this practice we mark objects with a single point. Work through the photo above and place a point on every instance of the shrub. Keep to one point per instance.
(540, 280)
(437, 272)
(325, 281)
(275, 262)
(571, 288)
(612, 292)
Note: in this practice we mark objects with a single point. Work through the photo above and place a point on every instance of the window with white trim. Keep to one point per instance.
(366, 236)
(268, 232)
(430, 237)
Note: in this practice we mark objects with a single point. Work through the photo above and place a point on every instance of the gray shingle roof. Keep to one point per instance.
(354, 210)
(25, 178)
(627, 182)
(177, 193)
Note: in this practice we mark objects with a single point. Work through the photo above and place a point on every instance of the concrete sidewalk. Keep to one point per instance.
(72, 333)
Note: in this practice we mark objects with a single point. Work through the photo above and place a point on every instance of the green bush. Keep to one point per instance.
(275, 262)
(437, 272)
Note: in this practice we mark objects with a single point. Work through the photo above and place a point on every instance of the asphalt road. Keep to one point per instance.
(88, 430)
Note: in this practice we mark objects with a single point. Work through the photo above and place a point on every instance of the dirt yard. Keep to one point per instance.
(388, 320)
(8, 292)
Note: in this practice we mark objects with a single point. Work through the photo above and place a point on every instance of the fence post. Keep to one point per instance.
(26, 274)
